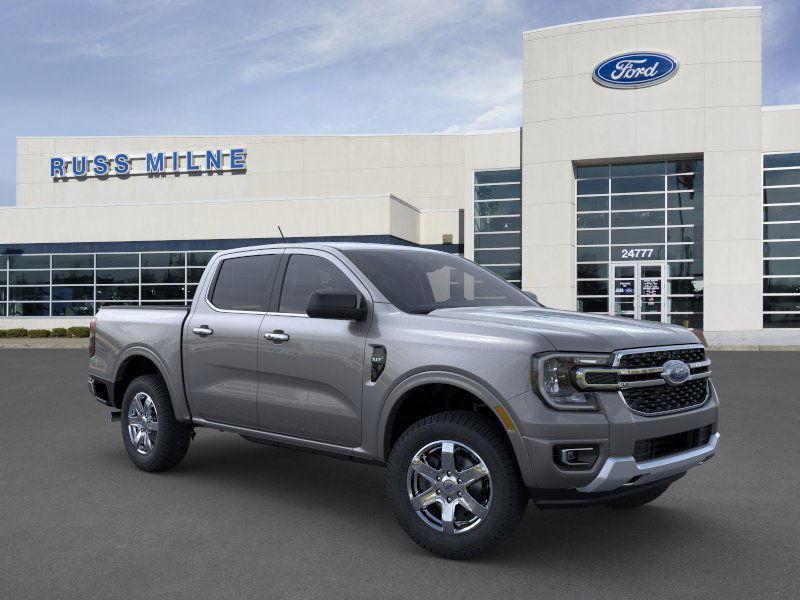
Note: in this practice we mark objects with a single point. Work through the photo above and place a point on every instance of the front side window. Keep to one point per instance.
(307, 274)
(419, 281)
(245, 283)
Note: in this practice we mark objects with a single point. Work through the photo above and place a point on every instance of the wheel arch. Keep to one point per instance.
(138, 361)
(450, 391)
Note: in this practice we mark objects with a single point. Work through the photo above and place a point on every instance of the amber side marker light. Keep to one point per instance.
(501, 412)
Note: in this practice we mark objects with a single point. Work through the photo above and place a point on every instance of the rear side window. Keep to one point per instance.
(245, 283)
(306, 274)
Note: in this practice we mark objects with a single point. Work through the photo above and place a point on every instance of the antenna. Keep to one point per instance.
(283, 237)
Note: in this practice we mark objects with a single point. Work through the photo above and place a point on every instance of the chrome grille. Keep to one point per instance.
(656, 358)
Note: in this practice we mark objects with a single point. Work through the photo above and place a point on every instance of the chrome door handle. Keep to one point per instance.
(202, 331)
(277, 336)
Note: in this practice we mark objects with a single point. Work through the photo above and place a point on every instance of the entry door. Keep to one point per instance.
(637, 290)
(311, 371)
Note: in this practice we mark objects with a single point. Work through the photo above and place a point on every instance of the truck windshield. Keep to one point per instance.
(418, 281)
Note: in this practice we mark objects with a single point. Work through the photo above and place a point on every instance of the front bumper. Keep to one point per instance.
(618, 471)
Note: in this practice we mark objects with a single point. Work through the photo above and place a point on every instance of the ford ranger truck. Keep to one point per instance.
(475, 397)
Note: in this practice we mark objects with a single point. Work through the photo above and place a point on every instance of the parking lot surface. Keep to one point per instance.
(237, 519)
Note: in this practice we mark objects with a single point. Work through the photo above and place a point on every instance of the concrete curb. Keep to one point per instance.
(752, 348)
(49, 343)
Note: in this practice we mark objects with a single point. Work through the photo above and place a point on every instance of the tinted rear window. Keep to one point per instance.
(245, 283)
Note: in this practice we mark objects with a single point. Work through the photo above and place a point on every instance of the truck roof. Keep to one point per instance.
(330, 246)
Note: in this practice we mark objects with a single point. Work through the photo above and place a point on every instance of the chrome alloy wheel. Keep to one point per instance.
(143, 423)
(449, 486)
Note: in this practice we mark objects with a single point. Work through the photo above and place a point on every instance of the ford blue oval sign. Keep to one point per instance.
(635, 70)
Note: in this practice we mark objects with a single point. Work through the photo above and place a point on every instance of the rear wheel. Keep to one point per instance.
(636, 500)
(454, 484)
(153, 438)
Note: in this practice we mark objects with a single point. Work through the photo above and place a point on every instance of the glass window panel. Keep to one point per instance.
(29, 277)
(648, 168)
(498, 240)
(498, 257)
(782, 249)
(305, 275)
(498, 224)
(118, 276)
(684, 182)
(28, 309)
(680, 234)
(637, 219)
(194, 275)
(591, 171)
(592, 254)
(592, 271)
(679, 252)
(23, 261)
(29, 293)
(163, 259)
(494, 192)
(684, 286)
(782, 231)
(637, 184)
(507, 272)
(2, 310)
(595, 305)
(162, 292)
(2, 277)
(592, 186)
(681, 269)
(592, 220)
(789, 159)
(190, 291)
(592, 236)
(593, 288)
(592, 203)
(782, 195)
(637, 236)
(638, 252)
(117, 260)
(199, 259)
(782, 213)
(85, 292)
(694, 304)
(163, 276)
(788, 320)
(782, 285)
(483, 209)
(73, 261)
(684, 166)
(684, 217)
(2, 294)
(73, 309)
(73, 277)
(500, 176)
(685, 199)
(688, 321)
(782, 267)
(637, 202)
(3, 262)
(782, 303)
(117, 292)
(788, 177)
(245, 283)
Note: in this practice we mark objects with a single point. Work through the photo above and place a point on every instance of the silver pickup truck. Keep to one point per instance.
(476, 397)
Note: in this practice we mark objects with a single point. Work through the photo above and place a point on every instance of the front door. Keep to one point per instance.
(637, 290)
(311, 371)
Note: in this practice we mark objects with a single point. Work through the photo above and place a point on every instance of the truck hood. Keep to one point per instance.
(573, 331)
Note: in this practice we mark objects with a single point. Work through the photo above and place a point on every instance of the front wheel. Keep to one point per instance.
(154, 439)
(454, 484)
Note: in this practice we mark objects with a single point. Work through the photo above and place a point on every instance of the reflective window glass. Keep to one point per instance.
(118, 276)
(782, 267)
(86, 276)
(779, 320)
(73, 292)
(782, 213)
(782, 195)
(592, 271)
(790, 159)
(29, 293)
(497, 257)
(592, 186)
(162, 292)
(245, 283)
(787, 177)
(782, 231)
(163, 276)
(684, 182)
(592, 220)
(509, 207)
(782, 303)
(498, 224)
(163, 259)
(117, 292)
(306, 274)
(73, 261)
(24, 261)
(28, 309)
(589, 171)
(637, 236)
(199, 259)
(73, 309)
(592, 288)
(680, 234)
(593, 236)
(498, 240)
(117, 260)
(592, 254)
(782, 285)
(651, 168)
(636, 184)
(637, 219)
(500, 176)
(494, 192)
(782, 249)
(194, 275)
(593, 305)
(637, 202)
(29, 277)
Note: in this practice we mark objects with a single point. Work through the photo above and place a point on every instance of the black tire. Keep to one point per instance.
(636, 500)
(172, 438)
(509, 497)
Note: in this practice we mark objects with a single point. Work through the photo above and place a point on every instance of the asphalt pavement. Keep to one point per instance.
(242, 520)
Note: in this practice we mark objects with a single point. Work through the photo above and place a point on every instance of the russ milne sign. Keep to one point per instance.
(635, 70)
(151, 163)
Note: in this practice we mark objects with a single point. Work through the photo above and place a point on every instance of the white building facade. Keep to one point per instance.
(646, 180)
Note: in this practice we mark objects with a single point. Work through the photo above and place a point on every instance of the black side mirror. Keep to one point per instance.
(336, 304)
(531, 295)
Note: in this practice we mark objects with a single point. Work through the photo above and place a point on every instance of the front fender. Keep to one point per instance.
(486, 394)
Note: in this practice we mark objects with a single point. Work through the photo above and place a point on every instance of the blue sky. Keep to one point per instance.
(154, 67)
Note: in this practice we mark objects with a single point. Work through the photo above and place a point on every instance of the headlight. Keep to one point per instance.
(552, 379)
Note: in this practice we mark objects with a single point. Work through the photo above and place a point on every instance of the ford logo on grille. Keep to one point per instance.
(635, 70)
(676, 372)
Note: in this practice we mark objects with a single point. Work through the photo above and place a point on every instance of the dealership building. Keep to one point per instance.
(645, 180)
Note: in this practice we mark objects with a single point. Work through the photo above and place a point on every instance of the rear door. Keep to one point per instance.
(222, 338)
(312, 380)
